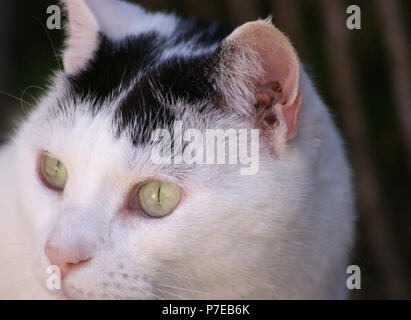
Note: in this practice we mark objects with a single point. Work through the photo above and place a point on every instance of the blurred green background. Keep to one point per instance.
(363, 75)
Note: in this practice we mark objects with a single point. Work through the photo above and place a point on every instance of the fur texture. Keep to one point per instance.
(284, 233)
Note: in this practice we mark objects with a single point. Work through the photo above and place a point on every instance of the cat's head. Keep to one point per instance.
(120, 225)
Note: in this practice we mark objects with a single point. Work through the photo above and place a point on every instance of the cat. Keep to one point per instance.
(78, 181)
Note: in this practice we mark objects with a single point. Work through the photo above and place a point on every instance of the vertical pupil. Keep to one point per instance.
(57, 166)
(158, 194)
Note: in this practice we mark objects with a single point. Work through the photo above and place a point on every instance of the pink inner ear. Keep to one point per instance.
(281, 65)
(271, 96)
(83, 36)
(279, 85)
(281, 68)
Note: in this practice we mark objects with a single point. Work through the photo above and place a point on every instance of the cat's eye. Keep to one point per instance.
(158, 199)
(53, 172)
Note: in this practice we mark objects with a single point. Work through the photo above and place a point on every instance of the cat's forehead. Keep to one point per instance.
(130, 88)
(150, 80)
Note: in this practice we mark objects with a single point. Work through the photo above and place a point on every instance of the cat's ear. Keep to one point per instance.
(87, 18)
(82, 35)
(261, 76)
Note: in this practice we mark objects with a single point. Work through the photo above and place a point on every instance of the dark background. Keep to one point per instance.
(364, 75)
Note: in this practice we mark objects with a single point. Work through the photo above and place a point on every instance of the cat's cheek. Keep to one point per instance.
(34, 202)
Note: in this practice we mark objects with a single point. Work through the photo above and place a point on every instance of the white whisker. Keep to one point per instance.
(173, 294)
(14, 97)
(51, 43)
(157, 296)
(188, 290)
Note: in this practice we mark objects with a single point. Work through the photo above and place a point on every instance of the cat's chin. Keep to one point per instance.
(67, 296)
(61, 294)
(69, 293)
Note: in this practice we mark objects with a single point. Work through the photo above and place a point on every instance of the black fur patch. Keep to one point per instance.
(186, 79)
(117, 64)
(204, 33)
(114, 66)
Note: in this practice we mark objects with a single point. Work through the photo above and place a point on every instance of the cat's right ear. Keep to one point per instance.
(82, 35)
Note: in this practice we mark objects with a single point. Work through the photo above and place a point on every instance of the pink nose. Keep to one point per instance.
(65, 258)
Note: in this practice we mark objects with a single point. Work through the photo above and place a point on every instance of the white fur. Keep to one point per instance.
(115, 19)
(188, 49)
(118, 19)
(284, 233)
(82, 38)
(245, 242)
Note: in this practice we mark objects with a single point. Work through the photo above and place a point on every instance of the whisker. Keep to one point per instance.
(157, 296)
(16, 264)
(16, 243)
(173, 294)
(51, 43)
(31, 96)
(26, 256)
(14, 97)
(31, 87)
(188, 290)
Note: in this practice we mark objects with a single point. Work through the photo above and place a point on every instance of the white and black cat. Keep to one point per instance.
(78, 181)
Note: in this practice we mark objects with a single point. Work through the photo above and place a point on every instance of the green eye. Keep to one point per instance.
(158, 199)
(54, 172)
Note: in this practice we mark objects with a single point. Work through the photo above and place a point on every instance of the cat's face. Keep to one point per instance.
(96, 123)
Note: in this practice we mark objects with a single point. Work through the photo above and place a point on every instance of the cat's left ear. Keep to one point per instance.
(82, 35)
(261, 76)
